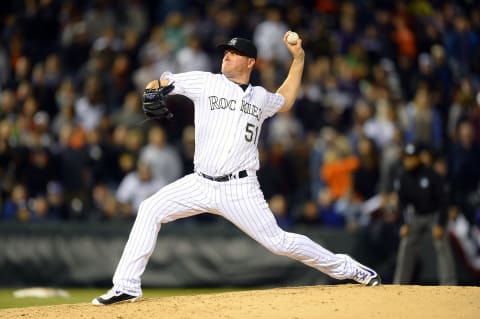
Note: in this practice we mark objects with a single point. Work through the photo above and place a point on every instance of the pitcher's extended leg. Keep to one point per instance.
(180, 199)
(246, 207)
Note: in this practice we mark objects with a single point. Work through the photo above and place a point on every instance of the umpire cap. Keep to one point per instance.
(244, 46)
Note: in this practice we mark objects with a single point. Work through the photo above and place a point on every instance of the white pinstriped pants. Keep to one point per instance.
(240, 201)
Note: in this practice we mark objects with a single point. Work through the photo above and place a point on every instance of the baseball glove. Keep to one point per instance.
(154, 105)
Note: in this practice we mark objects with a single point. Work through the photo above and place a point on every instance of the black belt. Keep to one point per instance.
(224, 178)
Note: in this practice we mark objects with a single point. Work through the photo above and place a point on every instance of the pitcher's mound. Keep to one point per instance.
(333, 302)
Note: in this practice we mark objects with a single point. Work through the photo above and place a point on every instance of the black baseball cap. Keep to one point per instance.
(244, 46)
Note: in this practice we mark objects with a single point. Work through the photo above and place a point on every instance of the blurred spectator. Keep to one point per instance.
(7, 163)
(308, 214)
(421, 121)
(40, 135)
(272, 54)
(192, 57)
(381, 128)
(365, 182)
(66, 116)
(71, 160)
(4, 66)
(90, 107)
(135, 187)
(74, 37)
(403, 37)
(270, 172)
(126, 164)
(155, 57)
(285, 130)
(8, 104)
(460, 44)
(323, 142)
(174, 33)
(40, 209)
(279, 207)
(135, 141)
(474, 117)
(347, 32)
(117, 145)
(463, 103)
(338, 101)
(99, 157)
(99, 16)
(15, 207)
(56, 201)
(390, 162)
(25, 121)
(371, 43)
(312, 93)
(338, 167)
(38, 171)
(21, 72)
(163, 158)
(444, 78)
(103, 205)
(46, 77)
(366, 176)
(330, 213)
(464, 169)
(362, 114)
(187, 149)
(266, 35)
(119, 81)
(134, 16)
(425, 76)
(130, 114)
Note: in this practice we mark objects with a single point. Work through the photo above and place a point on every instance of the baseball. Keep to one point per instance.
(292, 37)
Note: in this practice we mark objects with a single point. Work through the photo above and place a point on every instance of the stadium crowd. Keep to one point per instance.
(379, 74)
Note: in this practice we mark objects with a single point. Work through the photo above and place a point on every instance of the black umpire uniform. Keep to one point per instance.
(423, 201)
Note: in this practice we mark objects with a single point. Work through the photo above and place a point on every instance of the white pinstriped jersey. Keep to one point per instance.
(228, 120)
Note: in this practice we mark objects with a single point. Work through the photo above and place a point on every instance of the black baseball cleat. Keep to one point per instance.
(375, 281)
(113, 297)
(364, 275)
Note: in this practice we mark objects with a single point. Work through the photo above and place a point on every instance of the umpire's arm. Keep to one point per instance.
(290, 87)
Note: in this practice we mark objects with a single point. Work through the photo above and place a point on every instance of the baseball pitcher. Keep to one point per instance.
(229, 113)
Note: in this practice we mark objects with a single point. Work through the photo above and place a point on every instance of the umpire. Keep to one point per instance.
(422, 201)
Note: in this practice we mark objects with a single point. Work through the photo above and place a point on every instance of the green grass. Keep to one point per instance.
(83, 295)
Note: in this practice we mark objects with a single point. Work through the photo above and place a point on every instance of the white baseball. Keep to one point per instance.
(292, 37)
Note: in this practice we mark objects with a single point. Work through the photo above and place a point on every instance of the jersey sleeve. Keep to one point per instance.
(274, 101)
(189, 84)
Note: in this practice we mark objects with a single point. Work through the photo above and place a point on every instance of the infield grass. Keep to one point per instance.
(85, 295)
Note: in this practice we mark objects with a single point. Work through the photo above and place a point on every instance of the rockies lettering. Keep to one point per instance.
(221, 103)
(251, 109)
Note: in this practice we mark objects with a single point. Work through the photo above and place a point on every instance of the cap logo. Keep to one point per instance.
(233, 41)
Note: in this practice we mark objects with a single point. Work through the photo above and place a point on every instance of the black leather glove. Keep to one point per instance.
(153, 103)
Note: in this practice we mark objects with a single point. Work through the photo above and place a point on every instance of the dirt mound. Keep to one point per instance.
(338, 301)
